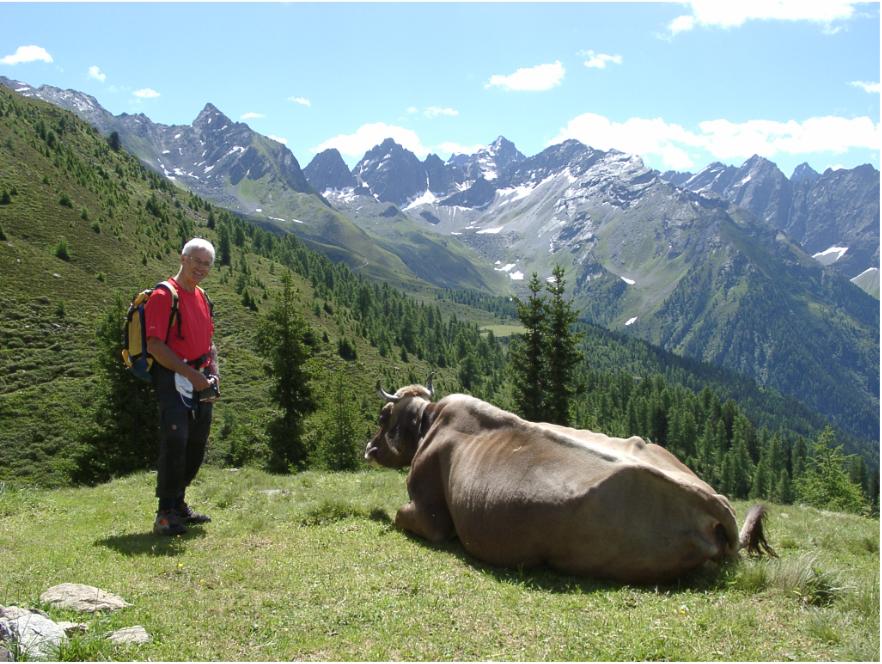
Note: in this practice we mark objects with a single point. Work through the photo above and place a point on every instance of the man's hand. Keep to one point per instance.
(200, 382)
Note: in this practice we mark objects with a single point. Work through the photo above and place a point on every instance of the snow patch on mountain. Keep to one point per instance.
(427, 198)
(830, 255)
(630, 321)
(630, 282)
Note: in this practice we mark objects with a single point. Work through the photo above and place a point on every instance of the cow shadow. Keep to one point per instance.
(710, 576)
(148, 544)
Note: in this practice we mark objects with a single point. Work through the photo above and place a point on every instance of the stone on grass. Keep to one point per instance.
(79, 597)
(5, 655)
(36, 636)
(71, 628)
(129, 636)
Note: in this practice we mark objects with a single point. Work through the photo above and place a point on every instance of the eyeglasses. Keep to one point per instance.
(206, 264)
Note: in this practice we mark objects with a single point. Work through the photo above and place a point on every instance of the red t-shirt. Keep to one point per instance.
(197, 328)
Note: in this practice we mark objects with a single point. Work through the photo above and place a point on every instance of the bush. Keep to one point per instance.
(61, 250)
(64, 200)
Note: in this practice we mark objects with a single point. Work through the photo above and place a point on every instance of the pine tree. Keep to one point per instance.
(530, 374)
(125, 436)
(223, 245)
(280, 338)
(825, 483)
(338, 431)
(561, 351)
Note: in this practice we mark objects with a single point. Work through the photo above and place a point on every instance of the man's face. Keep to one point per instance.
(196, 265)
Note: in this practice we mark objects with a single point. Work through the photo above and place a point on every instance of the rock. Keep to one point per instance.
(38, 637)
(5, 655)
(71, 628)
(79, 597)
(130, 636)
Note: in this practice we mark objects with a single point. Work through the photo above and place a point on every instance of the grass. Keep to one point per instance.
(310, 567)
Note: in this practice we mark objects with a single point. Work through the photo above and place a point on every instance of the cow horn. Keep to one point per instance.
(385, 395)
(429, 385)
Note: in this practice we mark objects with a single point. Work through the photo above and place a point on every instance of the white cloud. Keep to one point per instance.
(437, 111)
(27, 54)
(369, 135)
(146, 93)
(96, 73)
(250, 115)
(679, 148)
(303, 101)
(529, 79)
(412, 109)
(866, 86)
(278, 139)
(600, 60)
(449, 147)
(640, 136)
(768, 138)
(713, 13)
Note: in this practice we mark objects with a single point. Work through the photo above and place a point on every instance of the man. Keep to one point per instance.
(185, 364)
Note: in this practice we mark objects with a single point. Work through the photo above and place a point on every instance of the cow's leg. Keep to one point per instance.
(433, 524)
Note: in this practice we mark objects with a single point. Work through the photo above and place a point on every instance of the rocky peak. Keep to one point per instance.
(211, 119)
(327, 170)
(804, 173)
(392, 173)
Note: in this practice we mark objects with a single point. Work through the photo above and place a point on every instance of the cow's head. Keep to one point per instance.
(401, 425)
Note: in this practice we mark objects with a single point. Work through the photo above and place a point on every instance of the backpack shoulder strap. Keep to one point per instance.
(167, 285)
(207, 299)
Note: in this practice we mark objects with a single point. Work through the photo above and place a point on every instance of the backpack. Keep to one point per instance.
(134, 337)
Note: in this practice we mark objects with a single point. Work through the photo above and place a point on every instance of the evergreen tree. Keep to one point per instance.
(113, 141)
(280, 338)
(125, 436)
(825, 483)
(338, 431)
(223, 245)
(561, 351)
(530, 375)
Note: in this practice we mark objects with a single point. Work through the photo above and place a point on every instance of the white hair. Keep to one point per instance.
(198, 243)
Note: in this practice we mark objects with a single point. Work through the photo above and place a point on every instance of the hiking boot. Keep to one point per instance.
(168, 522)
(190, 517)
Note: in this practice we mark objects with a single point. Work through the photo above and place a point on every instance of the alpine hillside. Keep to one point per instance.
(230, 165)
(693, 272)
(834, 216)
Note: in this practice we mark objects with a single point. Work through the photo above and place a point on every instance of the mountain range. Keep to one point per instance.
(735, 266)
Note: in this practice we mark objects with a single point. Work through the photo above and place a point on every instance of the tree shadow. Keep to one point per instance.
(710, 576)
(148, 544)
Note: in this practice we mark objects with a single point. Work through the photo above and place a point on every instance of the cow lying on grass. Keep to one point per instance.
(517, 493)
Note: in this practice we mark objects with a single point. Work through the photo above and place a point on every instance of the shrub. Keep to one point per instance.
(64, 200)
(61, 250)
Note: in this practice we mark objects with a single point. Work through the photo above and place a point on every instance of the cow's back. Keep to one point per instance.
(528, 494)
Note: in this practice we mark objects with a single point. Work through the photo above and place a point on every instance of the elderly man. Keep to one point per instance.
(185, 376)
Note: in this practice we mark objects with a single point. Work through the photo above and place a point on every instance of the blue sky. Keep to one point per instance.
(680, 84)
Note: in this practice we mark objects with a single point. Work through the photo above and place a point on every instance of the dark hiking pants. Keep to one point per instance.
(182, 439)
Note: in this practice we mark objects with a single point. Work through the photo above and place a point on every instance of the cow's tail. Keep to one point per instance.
(752, 536)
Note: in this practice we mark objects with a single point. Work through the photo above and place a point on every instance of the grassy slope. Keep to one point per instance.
(317, 572)
(47, 359)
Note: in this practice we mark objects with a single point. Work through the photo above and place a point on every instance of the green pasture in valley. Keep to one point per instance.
(310, 567)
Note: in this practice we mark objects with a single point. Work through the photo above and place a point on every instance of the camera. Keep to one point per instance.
(211, 393)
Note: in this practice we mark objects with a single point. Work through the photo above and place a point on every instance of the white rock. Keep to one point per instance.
(79, 597)
(37, 636)
(130, 636)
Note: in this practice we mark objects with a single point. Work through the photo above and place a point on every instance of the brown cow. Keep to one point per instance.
(517, 493)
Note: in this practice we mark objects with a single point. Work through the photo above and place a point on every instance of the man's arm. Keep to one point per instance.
(170, 360)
